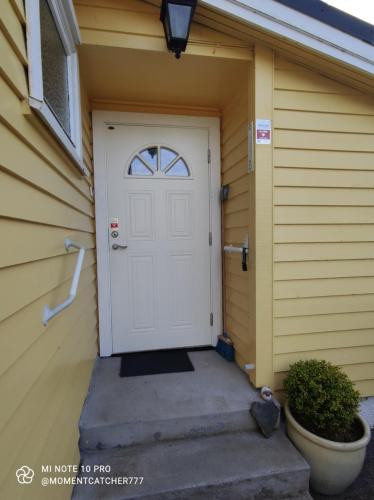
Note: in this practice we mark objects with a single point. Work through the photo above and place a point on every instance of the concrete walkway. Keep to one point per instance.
(230, 466)
(119, 411)
(190, 435)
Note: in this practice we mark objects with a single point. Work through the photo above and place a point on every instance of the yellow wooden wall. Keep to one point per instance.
(136, 24)
(323, 224)
(238, 226)
(44, 371)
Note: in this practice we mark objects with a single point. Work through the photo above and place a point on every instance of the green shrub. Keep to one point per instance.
(323, 399)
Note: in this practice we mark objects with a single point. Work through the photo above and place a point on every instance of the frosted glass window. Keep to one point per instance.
(53, 72)
(55, 68)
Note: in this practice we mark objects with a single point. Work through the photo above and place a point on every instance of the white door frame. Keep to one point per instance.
(101, 120)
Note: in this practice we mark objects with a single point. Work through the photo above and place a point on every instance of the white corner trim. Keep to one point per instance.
(102, 250)
(64, 13)
(49, 119)
(34, 54)
(300, 28)
(100, 119)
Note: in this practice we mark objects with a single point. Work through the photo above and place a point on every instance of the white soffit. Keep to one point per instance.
(300, 28)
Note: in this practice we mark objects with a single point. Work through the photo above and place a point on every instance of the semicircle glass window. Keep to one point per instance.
(158, 161)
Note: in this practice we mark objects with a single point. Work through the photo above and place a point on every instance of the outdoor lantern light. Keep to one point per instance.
(176, 16)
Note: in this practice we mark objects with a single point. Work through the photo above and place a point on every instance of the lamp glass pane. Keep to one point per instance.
(179, 16)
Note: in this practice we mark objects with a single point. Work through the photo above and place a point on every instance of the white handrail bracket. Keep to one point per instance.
(49, 313)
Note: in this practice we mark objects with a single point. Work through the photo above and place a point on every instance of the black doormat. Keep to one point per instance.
(155, 362)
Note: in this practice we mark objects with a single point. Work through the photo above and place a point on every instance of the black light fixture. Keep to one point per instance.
(176, 16)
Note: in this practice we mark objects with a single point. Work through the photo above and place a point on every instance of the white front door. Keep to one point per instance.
(158, 191)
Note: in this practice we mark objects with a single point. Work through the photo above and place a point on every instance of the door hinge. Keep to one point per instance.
(210, 238)
(209, 155)
(211, 319)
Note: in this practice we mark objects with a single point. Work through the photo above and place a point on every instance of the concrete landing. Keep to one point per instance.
(226, 466)
(215, 398)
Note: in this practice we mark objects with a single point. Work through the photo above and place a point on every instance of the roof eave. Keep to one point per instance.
(300, 28)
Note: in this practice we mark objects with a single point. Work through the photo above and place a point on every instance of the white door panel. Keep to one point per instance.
(160, 284)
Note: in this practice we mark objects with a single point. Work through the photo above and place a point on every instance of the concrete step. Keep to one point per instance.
(236, 466)
(213, 399)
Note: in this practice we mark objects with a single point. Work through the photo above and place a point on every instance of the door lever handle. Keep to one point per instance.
(116, 246)
(244, 259)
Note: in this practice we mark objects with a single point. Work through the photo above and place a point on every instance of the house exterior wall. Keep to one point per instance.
(323, 223)
(135, 24)
(322, 232)
(238, 228)
(310, 255)
(44, 371)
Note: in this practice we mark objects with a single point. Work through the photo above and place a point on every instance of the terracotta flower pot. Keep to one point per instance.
(334, 466)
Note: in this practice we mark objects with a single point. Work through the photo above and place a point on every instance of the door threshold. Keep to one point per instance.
(189, 349)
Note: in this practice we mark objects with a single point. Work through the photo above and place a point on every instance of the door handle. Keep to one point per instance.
(244, 259)
(116, 246)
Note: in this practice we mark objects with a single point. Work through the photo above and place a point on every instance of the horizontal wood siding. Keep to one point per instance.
(323, 224)
(44, 371)
(136, 24)
(239, 316)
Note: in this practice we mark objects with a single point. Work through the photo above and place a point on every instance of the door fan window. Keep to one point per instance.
(158, 161)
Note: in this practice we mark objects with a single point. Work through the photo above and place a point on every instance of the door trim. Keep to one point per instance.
(100, 121)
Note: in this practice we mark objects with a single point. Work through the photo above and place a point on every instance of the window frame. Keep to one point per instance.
(67, 26)
(158, 173)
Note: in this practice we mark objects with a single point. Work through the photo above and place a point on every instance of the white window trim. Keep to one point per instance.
(66, 22)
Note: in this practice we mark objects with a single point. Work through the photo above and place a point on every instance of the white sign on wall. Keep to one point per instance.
(263, 131)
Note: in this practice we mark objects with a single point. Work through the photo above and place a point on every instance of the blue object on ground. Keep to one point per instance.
(225, 347)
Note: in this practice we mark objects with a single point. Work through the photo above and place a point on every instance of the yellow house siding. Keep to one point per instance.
(44, 371)
(236, 211)
(323, 224)
(287, 48)
(136, 24)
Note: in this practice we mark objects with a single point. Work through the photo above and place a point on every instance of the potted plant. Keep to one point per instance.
(324, 424)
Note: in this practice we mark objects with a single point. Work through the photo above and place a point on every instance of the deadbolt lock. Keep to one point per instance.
(114, 234)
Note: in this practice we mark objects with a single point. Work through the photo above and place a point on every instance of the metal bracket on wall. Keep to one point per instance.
(251, 153)
(241, 250)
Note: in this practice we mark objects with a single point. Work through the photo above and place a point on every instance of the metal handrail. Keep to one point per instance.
(49, 313)
(232, 249)
(241, 250)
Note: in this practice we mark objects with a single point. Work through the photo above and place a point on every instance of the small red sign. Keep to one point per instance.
(114, 223)
(263, 134)
(263, 131)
